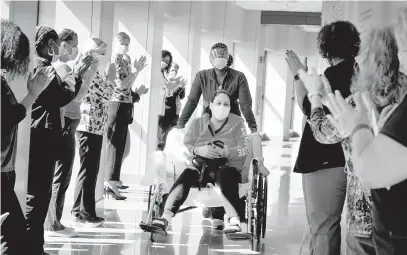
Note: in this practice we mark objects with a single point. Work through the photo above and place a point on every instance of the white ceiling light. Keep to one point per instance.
(292, 6)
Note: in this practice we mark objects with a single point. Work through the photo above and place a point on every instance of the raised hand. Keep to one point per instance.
(294, 63)
(312, 82)
(82, 65)
(140, 63)
(141, 90)
(128, 81)
(110, 72)
(343, 116)
(41, 79)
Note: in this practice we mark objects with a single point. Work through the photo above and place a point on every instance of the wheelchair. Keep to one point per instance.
(166, 166)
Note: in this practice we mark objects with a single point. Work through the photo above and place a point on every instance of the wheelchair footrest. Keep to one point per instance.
(239, 236)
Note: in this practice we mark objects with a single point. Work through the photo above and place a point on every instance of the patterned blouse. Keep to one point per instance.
(123, 69)
(94, 105)
(359, 199)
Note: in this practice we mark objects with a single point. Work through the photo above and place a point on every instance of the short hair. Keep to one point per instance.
(121, 36)
(15, 49)
(42, 36)
(339, 39)
(66, 35)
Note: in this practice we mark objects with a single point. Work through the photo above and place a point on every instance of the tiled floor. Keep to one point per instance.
(189, 232)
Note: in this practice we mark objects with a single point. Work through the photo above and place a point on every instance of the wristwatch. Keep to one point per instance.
(296, 77)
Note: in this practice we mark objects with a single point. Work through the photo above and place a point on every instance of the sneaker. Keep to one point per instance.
(66, 232)
(102, 220)
(218, 224)
(91, 222)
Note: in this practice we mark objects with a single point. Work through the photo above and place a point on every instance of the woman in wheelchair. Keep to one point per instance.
(217, 141)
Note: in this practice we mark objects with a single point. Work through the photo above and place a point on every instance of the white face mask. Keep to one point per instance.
(163, 65)
(219, 63)
(74, 54)
(123, 49)
(220, 112)
(55, 57)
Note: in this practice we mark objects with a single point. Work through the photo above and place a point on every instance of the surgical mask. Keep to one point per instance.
(219, 63)
(220, 112)
(163, 65)
(55, 57)
(123, 49)
(74, 54)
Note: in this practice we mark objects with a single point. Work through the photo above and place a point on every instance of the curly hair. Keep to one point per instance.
(166, 53)
(15, 49)
(42, 36)
(339, 39)
(230, 61)
(379, 72)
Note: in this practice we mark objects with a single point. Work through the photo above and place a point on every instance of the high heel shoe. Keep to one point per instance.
(108, 192)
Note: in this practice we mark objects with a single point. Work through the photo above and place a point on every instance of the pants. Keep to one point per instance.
(119, 117)
(13, 228)
(41, 167)
(165, 123)
(84, 197)
(387, 243)
(227, 179)
(62, 176)
(359, 245)
(324, 195)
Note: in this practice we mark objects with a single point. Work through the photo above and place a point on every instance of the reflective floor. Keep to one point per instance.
(189, 232)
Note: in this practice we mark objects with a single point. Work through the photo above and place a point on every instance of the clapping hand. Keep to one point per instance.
(3, 247)
(41, 79)
(140, 63)
(82, 65)
(141, 90)
(294, 63)
(110, 72)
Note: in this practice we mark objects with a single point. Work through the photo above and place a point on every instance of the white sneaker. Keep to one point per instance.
(67, 232)
(217, 224)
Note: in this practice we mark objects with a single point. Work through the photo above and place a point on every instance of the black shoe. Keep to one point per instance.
(123, 187)
(90, 222)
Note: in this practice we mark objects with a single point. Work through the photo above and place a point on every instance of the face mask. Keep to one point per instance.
(163, 65)
(123, 49)
(220, 112)
(103, 62)
(55, 57)
(219, 63)
(74, 54)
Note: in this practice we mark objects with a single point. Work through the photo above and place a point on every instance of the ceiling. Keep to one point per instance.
(292, 6)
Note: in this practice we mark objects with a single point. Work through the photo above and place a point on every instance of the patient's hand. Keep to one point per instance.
(208, 151)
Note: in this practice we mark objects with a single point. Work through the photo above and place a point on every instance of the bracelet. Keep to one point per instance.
(359, 127)
(296, 77)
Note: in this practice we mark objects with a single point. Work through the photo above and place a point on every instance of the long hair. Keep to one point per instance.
(379, 65)
(15, 50)
(166, 53)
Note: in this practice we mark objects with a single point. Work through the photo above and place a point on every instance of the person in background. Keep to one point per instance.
(322, 165)
(174, 92)
(15, 59)
(70, 116)
(206, 83)
(46, 131)
(120, 112)
(90, 134)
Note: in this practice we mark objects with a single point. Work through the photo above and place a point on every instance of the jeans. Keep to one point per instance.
(165, 123)
(324, 195)
(227, 179)
(84, 197)
(359, 245)
(13, 228)
(62, 176)
(119, 117)
(41, 167)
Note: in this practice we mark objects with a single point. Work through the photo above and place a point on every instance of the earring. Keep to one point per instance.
(51, 53)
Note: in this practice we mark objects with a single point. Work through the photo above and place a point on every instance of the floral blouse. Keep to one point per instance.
(359, 199)
(123, 69)
(94, 105)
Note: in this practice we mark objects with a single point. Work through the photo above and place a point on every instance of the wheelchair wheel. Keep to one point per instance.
(259, 207)
(264, 223)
